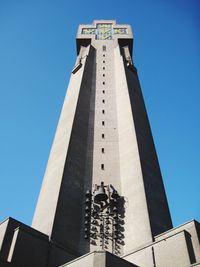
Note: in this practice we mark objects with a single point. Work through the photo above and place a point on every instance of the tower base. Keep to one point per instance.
(22, 246)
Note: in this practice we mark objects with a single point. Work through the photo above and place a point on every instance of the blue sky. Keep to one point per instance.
(37, 52)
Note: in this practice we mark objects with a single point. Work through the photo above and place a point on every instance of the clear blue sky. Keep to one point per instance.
(37, 52)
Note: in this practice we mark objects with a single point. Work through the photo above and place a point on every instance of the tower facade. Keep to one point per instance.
(102, 201)
(103, 135)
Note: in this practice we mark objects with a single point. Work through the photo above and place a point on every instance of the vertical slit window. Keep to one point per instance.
(102, 166)
(103, 91)
(103, 101)
(103, 136)
(103, 111)
(103, 123)
(102, 150)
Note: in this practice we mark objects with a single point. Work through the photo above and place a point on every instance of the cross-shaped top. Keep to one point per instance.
(104, 30)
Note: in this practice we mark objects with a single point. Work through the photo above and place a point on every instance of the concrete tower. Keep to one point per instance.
(102, 201)
(103, 135)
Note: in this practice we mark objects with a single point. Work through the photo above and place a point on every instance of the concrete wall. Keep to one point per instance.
(59, 209)
(27, 249)
(68, 221)
(177, 247)
(85, 261)
(191, 233)
(137, 224)
(172, 251)
(8, 230)
(3, 248)
(99, 259)
(158, 210)
(22, 246)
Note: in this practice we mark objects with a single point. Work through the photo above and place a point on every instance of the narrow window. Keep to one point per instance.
(104, 61)
(102, 166)
(104, 83)
(104, 55)
(103, 101)
(103, 68)
(103, 123)
(103, 111)
(103, 75)
(102, 150)
(103, 91)
(104, 48)
(103, 136)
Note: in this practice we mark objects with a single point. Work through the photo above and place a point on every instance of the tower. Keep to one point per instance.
(103, 135)
(102, 200)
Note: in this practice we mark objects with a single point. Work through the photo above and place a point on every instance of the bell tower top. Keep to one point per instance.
(104, 31)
